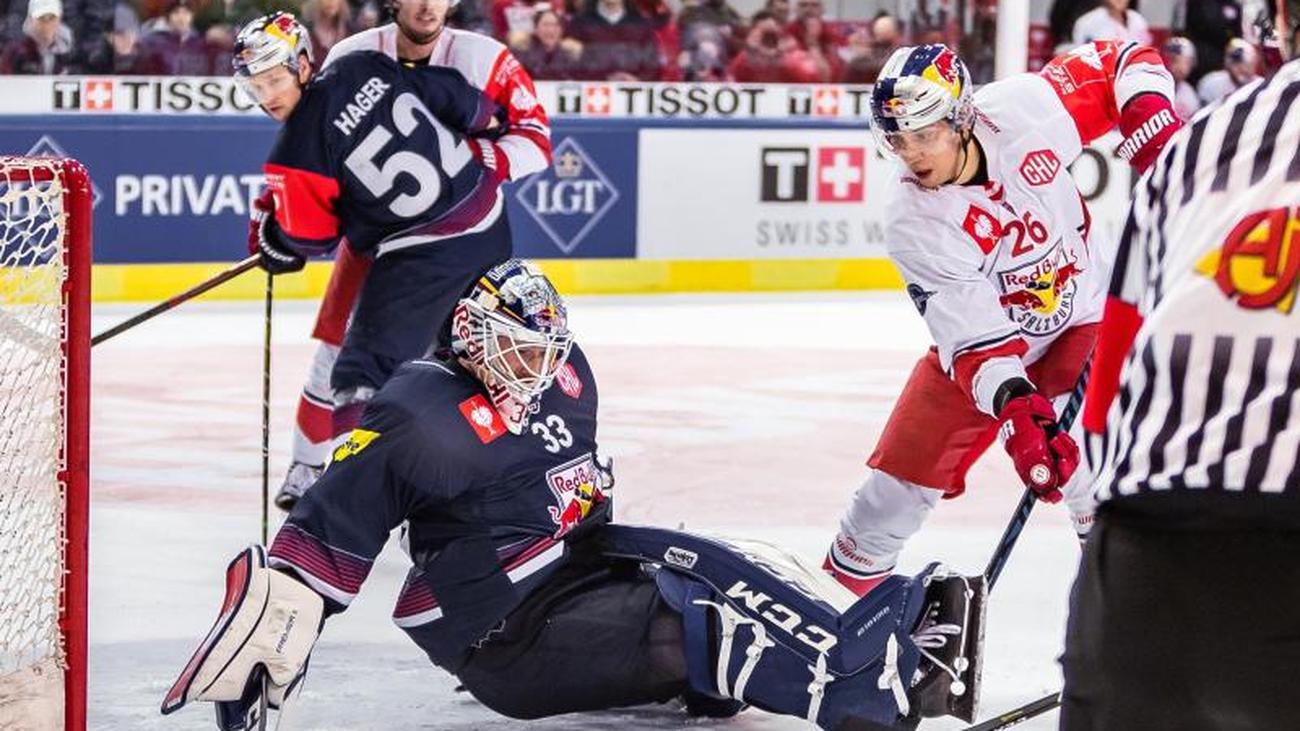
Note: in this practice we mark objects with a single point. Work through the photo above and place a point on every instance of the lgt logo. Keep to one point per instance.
(570, 198)
(840, 174)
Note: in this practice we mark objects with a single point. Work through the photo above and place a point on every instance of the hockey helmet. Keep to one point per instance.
(272, 40)
(511, 330)
(918, 86)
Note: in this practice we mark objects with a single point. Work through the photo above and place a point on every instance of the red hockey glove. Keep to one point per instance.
(1045, 461)
(1147, 122)
(274, 257)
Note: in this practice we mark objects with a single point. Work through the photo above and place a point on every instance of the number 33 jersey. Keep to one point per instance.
(376, 153)
(1001, 269)
(488, 513)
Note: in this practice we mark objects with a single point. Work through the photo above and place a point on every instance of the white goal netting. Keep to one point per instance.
(33, 428)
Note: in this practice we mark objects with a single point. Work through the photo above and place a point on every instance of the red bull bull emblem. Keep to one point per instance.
(576, 487)
(1040, 295)
(946, 64)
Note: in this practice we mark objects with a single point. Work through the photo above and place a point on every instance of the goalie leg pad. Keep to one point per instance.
(732, 654)
(268, 624)
(763, 629)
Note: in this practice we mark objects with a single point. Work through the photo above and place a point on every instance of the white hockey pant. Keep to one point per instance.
(315, 409)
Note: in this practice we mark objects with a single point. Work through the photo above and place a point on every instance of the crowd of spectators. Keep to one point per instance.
(792, 41)
(1212, 49)
(627, 40)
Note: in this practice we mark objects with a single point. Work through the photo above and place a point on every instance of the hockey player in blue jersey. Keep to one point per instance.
(522, 587)
(389, 161)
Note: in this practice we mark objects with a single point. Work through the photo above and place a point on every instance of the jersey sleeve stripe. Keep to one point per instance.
(1264, 155)
(1228, 150)
(523, 155)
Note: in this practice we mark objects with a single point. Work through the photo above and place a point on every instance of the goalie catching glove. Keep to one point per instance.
(268, 624)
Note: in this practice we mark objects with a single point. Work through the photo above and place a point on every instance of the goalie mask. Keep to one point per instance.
(511, 331)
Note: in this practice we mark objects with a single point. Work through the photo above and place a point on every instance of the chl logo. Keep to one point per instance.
(840, 174)
(1040, 167)
(1259, 262)
(568, 199)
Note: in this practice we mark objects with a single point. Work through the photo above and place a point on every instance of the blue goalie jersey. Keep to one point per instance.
(488, 512)
(377, 153)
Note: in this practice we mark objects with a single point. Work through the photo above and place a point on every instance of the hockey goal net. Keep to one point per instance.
(45, 259)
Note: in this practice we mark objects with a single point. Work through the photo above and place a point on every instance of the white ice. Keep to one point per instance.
(744, 414)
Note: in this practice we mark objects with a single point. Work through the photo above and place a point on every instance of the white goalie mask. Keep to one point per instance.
(511, 331)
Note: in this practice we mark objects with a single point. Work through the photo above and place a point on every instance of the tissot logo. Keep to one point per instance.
(785, 175)
(840, 174)
(67, 95)
(568, 199)
(97, 95)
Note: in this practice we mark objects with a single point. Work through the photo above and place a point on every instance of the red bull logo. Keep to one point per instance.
(576, 487)
(946, 64)
(894, 107)
(1040, 296)
(943, 70)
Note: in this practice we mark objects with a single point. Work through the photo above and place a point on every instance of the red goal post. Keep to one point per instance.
(45, 257)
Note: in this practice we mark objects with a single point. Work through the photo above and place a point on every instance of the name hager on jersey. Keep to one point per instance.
(377, 153)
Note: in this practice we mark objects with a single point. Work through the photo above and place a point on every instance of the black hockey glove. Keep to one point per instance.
(497, 131)
(273, 256)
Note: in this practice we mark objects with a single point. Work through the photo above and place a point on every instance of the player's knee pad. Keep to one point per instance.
(268, 623)
(782, 637)
(885, 512)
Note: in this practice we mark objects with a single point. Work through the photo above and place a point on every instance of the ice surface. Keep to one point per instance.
(744, 414)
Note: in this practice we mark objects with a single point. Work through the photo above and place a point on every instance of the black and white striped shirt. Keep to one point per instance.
(1209, 398)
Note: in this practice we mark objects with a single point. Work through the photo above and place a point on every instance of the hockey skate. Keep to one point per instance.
(950, 636)
(301, 476)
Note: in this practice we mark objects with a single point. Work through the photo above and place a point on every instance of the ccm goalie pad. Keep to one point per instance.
(762, 628)
(257, 651)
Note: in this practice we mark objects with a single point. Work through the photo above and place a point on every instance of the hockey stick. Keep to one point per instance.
(1019, 715)
(1020, 517)
(185, 296)
(266, 406)
(1008, 541)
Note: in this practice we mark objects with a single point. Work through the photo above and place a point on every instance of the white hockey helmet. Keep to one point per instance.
(511, 331)
(918, 86)
(272, 40)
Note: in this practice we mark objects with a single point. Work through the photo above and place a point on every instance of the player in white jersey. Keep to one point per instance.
(1182, 615)
(995, 244)
(417, 36)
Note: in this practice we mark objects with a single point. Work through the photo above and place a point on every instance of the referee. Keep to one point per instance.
(1186, 611)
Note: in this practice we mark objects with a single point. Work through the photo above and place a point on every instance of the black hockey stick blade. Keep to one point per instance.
(185, 296)
(1019, 715)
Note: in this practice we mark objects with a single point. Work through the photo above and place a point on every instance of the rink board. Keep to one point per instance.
(654, 187)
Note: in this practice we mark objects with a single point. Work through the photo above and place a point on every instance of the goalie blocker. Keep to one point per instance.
(721, 623)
